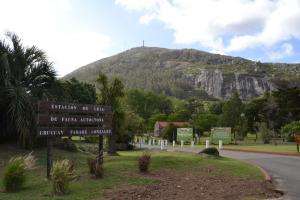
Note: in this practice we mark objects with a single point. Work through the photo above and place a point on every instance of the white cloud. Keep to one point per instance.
(285, 50)
(224, 25)
(48, 25)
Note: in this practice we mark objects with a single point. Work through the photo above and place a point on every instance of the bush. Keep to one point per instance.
(14, 175)
(62, 173)
(29, 161)
(95, 168)
(290, 129)
(213, 151)
(144, 162)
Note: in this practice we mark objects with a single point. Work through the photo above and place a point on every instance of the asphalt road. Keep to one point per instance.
(285, 170)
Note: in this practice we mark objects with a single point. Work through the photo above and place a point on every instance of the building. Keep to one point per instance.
(160, 126)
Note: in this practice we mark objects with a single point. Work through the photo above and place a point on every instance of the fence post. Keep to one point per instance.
(207, 144)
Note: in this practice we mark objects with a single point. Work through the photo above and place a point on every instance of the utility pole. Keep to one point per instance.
(143, 43)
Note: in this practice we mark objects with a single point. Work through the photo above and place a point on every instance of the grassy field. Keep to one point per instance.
(119, 170)
(265, 148)
(269, 148)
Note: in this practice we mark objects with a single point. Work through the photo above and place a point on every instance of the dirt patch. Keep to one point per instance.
(192, 185)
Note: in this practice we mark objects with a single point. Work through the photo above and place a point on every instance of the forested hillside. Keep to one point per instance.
(188, 72)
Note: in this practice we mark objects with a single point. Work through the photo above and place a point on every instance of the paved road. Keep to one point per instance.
(285, 170)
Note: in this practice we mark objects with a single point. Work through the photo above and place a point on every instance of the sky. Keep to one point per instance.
(74, 33)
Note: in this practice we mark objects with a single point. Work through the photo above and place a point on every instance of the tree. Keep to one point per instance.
(289, 129)
(146, 103)
(204, 122)
(73, 91)
(25, 76)
(111, 93)
(232, 112)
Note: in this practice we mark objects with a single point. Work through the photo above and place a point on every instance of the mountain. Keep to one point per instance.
(188, 72)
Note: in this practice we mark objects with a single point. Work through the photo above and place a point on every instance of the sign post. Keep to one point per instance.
(58, 119)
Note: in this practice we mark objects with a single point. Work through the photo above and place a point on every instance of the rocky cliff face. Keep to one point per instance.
(190, 73)
(220, 85)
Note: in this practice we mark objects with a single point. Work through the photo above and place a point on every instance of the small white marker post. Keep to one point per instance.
(192, 144)
(220, 144)
(153, 142)
(206, 143)
(166, 143)
(161, 145)
(173, 143)
(181, 143)
(149, 142)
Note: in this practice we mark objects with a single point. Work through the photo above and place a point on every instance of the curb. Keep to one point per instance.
(265, 152)
(267, 176)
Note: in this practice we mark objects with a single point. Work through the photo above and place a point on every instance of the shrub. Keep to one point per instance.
(62, 173)
(289, 129)
(95, 168)
(213, 151)
(29, 161)
(14, 175)
(144, 162)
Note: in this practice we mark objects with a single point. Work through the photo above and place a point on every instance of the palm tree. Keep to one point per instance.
(25, 75)
(110, 94)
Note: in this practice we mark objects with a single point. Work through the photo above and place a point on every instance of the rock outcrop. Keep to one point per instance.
(220, 85)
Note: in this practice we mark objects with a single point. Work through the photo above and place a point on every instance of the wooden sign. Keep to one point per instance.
(79, 120)
(48, 131)
(70, 119)
(59, 107)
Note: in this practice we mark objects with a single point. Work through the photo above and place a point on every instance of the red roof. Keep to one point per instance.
(177, 124)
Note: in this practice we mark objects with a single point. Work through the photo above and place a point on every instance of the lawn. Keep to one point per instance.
(119, 170)
(265, 148)
(268, 148)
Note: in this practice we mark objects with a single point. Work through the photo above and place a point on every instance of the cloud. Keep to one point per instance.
(222, 25)
(285, 50)
(49, 24)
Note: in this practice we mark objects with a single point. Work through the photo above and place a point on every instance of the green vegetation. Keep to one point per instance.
(289, 149)
(110, 95)
(14, 175)
(62, 173)
(289, 129)
(15, 172)
(212, 151)
(173, 72)
(25, 75)
(268, 148)
(119, 170)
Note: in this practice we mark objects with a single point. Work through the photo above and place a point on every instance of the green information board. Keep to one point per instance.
(184, 134)
(220, 133)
